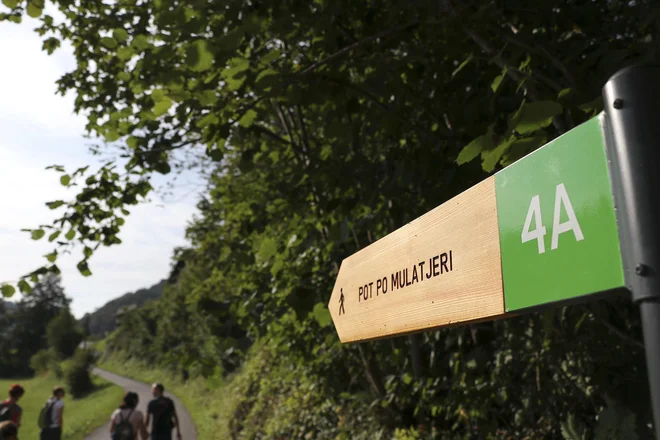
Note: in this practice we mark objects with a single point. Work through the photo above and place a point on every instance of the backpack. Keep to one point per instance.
(45, 415)
(6, 411)
(124, 429)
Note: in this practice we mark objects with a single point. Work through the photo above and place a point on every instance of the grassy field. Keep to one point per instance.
(81, 416)
(206, 406)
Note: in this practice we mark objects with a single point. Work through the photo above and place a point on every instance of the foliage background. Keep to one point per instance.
(323, 126)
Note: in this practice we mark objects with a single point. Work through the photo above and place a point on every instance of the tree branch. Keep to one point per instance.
(511, 72)
(355, 45)
(263, 130)
(543, 51)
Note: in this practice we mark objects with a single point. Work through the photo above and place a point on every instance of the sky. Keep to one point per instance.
(38, 128)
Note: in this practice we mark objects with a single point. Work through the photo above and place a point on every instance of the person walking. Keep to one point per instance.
(9, 409)
(8, 431)
(164, 415)
(53, 414)
(126, 421)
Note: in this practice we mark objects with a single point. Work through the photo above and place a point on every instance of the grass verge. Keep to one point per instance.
(81, 416)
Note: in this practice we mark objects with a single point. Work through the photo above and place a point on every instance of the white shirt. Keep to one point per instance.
(136, 418)
(54, 418)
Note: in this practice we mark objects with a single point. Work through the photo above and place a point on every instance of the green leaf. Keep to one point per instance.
(536, 115)
(490, 158)
(207, 97)
(50, 44)
(120, 34)
(109, 43)
(198, 56)
(564, 93)
(132, 142)
(407, 378)
(498, 81)
(236, 65)
(162, 167)
(140, 42)
(24, 287)
(277, 267)
(56, 204)
(10, 3)
(326, 152)
(247, 119)
(207, 120)
(571, 429)
(37, 234)
(34, 11)
(162, 107)
(270, 56)
(322, 315)
(265, 73)
(616, 422)
(112, 135)
(7, 290)
(51, 257)
(125, 53)
(267, 249)
(593, 107)
(88, 251)
(235, 83)
(52, 237)
(70, 235)
(462, 65)
(65, 180)
(83, 268)
(472, 150)
(158, 95)
(521, 147)
(216, 154)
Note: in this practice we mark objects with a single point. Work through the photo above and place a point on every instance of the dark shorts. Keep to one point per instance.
(161, 436)
(51, 434)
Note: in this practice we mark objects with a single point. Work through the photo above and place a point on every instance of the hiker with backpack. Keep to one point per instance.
(9, 409)
(51, 417)
(127, 421)
(8, 431)
(164, 415)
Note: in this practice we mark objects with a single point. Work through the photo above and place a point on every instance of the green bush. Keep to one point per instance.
(45, 361)
(63, 334)
(76, 372)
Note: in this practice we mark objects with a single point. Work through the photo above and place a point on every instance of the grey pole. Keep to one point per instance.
(631, 101)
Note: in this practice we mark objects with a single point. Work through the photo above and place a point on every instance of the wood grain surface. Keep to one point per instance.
(440, 269)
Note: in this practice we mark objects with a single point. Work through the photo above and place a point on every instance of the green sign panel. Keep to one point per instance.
(558, 231)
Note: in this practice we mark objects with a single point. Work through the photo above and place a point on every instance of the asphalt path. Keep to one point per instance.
(144, 391)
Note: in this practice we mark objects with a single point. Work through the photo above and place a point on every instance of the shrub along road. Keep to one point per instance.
(144, 391)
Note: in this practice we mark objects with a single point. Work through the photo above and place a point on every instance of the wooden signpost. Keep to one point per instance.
(578, 217)
(542, 230)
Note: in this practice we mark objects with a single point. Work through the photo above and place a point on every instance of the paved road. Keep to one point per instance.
(144, 391)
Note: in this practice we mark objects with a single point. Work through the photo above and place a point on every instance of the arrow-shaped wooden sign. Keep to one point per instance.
(442, 268)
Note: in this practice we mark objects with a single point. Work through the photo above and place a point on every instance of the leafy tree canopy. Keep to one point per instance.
(343, 101)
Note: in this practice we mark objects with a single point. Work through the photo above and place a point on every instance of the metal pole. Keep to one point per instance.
(631, 101)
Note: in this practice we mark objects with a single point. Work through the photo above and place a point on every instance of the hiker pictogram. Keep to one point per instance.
(341, 303)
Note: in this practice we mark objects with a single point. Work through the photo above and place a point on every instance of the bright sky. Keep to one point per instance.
(37, 129)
